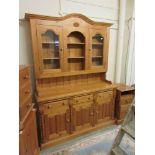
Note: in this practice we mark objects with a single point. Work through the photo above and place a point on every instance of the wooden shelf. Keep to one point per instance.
(74, 43)
(97, 56)
(50, 42)
(76, 57)
(51, 58)
(98, 44)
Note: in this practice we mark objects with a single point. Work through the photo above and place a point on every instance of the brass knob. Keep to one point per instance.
(67, 120)
(91, 113)
(26, 77)
(28, 105)
(27, 91)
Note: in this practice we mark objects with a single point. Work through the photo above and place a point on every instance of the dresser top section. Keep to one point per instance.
(21, 67)
(123, 88)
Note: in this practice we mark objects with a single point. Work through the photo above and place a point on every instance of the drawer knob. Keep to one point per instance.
(91, 113)
(97, 112)
(27, 91)
(67, 120)
(28, 105)
(26, 77)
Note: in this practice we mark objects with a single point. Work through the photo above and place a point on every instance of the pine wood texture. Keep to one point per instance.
(124, 97)
(73, 38)
(28, 138)
(25, 98)
(71, 59)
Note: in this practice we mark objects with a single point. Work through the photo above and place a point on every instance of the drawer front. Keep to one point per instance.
(24, 108)
(24, 93)
(127, 99)
(55, 107)
(83, 99)
(104, 97)
(24, 76)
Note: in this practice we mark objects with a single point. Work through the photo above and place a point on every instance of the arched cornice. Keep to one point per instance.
(43, 17)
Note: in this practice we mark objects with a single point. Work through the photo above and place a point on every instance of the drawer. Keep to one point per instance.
(24, 108)
(56, 107)
(24, 76)
(83, 99)
(104, 97)
(24, 93)
(127, 99)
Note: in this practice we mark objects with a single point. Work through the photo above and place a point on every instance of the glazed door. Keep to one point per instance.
(55, 120)
(75, 49)
(50, 49)
(103, 107)
(98, 49)
(82, 113)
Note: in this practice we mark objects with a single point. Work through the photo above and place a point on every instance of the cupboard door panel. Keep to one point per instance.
(81, 113)
(103, 108)
(98, 49)
(56, 116)
(50, 50)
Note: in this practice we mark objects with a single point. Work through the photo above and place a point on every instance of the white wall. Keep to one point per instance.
(98, 10)
(128, 66)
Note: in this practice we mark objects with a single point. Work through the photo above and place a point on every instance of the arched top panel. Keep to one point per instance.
(88, 20)
(76, 36)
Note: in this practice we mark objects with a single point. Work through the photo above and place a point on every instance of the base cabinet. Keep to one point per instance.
(75, 114)
(55, 120)
(124, 98)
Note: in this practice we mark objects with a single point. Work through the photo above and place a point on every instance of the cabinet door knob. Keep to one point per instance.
(67, 120)
(28, 105)
(27, 91)
(97, 112)
(26, 77)
(91, 113)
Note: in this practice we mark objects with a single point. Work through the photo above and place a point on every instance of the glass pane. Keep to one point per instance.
(50, 50)
(97, 50)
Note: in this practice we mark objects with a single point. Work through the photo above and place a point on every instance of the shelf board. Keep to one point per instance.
(97, 56)
(98, 44)
(51, 58)
(50, 42)
(76, 57)
(76, 43)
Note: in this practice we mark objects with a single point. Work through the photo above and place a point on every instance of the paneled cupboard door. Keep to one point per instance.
(97, 49)
(55, 119)
(50, 48)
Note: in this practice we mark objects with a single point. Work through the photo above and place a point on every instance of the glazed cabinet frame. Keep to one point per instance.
(63, 26)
